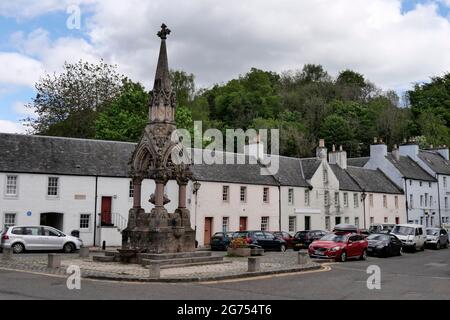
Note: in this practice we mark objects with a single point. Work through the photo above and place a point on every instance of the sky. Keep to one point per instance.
(394, 43)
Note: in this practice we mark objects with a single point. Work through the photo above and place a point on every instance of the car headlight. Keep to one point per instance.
(335, 249)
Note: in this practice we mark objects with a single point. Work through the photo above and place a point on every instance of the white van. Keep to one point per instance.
(413, 236)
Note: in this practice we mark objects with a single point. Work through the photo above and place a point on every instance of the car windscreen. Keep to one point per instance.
(240, 235)
(432, 232)
(335, 237)
(301, 234)
(403, 231)
(378, 237)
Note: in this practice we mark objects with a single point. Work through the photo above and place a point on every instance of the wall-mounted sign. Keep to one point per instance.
(80, 197)
(29, 213)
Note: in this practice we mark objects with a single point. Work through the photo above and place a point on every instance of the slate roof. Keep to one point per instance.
(410, 169)
(290, 173)
(64, 156)
(358, 162)
(83, 157)
(373, 180)
(309, 167)
(435, 161)
(346, 182)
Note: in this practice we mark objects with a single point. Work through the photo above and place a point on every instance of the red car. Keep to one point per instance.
(286, 237)
(340, 247)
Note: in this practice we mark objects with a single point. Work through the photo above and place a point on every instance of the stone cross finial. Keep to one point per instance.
(164, 32)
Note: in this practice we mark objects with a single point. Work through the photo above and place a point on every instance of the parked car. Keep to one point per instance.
(384, 245)
(286, 237)
(412, 236)
(33, 238)
(339, 246)
(266, 240)
(437, 238)
(364, 232)
(303, 239)
(221, 240)
(381, 228)
(346, 228)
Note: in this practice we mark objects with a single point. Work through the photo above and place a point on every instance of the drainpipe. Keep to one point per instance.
(439, 201)
(364, 195)
(279, 204)
(95, 210)
(406, 201)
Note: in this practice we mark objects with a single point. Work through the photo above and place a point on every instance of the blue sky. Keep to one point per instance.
(387, 40)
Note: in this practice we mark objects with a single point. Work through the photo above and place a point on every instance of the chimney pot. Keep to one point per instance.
(322, 143)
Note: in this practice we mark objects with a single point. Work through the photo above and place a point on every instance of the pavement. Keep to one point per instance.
(421, 275)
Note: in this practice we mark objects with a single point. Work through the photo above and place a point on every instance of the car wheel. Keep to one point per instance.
(364, 255)
(400, 251)
(414, 248)
(343, 257)
(18, 248)
(423, 247)
(282, 248)
(69, 248)
(438, 245)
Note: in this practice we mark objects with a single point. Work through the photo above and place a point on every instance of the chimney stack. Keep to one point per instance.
(338, 157)
(378, 149)
(321, 151)
(396, 153)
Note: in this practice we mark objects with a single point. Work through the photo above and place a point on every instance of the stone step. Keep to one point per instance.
(179, 261)
(103, 258)
(110, 253)
(195, 264)
(167, 256)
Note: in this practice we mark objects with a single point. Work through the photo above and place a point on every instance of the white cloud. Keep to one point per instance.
(23, 9)
(7, 126)
(219, 40)
(18, 69)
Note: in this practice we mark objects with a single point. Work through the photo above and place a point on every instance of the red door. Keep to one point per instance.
(208, 231)
(106, 211)
(243, 224)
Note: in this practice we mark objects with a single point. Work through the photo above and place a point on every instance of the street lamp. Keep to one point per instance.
(364, 196)
(197, 186)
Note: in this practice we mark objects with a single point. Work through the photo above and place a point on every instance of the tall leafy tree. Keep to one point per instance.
(67, 104)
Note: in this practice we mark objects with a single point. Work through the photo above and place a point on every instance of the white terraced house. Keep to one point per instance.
(406, 166)
(83, 185)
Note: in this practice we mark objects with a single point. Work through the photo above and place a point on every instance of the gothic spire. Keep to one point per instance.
(162, 78)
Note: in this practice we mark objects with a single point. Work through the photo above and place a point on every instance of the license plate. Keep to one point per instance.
(319, 253)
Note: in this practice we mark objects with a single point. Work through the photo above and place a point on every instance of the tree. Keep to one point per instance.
(183, 85)
(68, 104)
(338, 131)
(127, 116)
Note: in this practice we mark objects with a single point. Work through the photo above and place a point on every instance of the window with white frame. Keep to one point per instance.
(226, 193)
(426, 199)
(347, 220)
(355, 200)
(420, 183)
(385, 204)
(9, 220)
(326, 198)
(421, 200)
(11, 186)
(131, 189)
(396, 202)
(446, 202)
(431, 201)
(327, 223)
(53, 185)
(307, 198)
(386, 220)
(292, 224)
(429, 184)
(266, 196)
(371, 200)
(264, 223)
(85, 221)
(445, 182)
(346, 199)
(243, 194)
(336, 199)
(357, 222)
(411, 201)
(325, 176)
(225, 224)
(372, 220)
(291, 196)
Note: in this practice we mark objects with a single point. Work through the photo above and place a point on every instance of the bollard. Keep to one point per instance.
(104, 245)
(84, 252)
(7, 254)
(54, 261)
(303, 258)
(254, 264)
(155, 270)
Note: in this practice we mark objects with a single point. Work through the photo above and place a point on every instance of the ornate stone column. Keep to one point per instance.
(159, 193)
(182, 185)
(137, 193)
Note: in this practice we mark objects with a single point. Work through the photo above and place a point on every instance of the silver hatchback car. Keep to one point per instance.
(33, 238)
